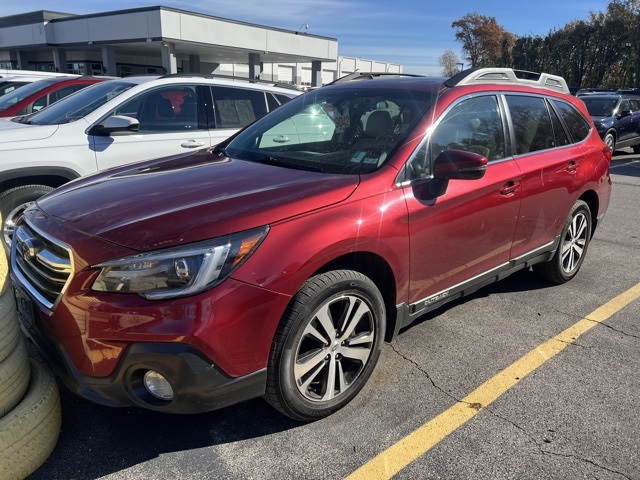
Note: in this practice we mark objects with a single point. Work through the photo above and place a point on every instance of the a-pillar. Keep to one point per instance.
(60, 60)
(169, 61)
(109, 61)
(255, 67)
(316, 73)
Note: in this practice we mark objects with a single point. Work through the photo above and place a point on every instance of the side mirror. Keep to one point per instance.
(624, 113)
(450, 165)
(118, 124)
(459, 165)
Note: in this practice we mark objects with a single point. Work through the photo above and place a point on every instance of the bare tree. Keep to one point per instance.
(449, 63)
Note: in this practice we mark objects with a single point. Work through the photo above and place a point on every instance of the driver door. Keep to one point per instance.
(467, 231)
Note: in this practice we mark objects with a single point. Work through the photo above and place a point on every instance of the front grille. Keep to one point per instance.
(43, 265)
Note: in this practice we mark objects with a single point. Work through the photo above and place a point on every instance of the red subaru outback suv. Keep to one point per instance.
(277, 263)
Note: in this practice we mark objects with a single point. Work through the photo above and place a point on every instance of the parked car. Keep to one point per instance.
(121, 121)
(200, 280)
(617, 119)
(32, 73)
(9, 84)
(37, 95)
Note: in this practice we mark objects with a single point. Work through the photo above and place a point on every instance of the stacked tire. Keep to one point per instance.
(30, 413)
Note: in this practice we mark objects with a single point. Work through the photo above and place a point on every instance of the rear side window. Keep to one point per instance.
(560, 134)
(237, 107)
(578, 127)
(531, 123)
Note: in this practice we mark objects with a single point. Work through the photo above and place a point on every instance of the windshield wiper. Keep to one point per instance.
(218, 150)
(280, 163)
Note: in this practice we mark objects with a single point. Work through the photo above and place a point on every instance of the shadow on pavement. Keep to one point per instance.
(96, 441)
(625, 164)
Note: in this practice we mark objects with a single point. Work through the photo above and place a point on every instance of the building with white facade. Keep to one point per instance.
(158, 40)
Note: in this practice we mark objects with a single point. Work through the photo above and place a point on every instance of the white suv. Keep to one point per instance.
(121, 121)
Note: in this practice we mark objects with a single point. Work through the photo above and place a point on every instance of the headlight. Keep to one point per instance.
(179, 271)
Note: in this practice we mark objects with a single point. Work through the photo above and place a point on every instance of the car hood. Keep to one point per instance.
(21, 132)
(186, 198)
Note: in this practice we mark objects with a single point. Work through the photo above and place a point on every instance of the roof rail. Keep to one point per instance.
(508, 75)
(231, 77)
(369, 75)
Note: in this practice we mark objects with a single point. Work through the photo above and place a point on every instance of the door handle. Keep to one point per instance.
(192, 144)
(510, 188)
(573, 167)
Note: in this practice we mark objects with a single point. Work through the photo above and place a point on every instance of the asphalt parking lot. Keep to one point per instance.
(575, 415)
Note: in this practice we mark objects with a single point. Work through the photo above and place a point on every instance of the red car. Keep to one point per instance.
(277, 263)
(37, 95)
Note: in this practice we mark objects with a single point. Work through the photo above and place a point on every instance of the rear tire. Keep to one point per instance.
(13, 203)
(326, 346)
(574, 241)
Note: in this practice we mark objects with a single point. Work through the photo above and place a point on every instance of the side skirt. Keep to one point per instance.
(407, 314)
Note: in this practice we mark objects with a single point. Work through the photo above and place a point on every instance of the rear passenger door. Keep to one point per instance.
(172, 120)
(550, 164)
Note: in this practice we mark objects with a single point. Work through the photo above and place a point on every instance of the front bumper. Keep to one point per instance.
(198, 385)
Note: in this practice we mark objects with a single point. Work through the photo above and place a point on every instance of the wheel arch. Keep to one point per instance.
(379, 271)
(591, 199)
(50, 176)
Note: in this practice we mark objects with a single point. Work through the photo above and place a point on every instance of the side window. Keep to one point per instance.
(63, 92)
(558, 130)
(40, 103)
(237, 107)
(625, 106)
(272, 102)
(282, 98)
(635, 105)
(578, 127)
(531, 123)
(166, 109)
(473, 125)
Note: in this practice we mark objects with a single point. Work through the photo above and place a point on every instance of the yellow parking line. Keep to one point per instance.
(402, 453)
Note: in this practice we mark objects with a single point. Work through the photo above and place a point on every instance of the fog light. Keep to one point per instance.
(158, 386)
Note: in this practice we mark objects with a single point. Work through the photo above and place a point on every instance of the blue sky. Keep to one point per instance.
(413, 33)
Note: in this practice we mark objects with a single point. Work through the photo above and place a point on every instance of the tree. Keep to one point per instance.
(482, 39)
(449, 63)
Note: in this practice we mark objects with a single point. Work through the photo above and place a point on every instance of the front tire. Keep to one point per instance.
(13, 203)
(326, 346)
(574, 242)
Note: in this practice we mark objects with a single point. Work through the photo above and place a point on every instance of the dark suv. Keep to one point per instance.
(617, 119)
(277, 263)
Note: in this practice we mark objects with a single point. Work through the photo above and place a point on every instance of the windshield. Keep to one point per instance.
(600, 107)
(334, 130)
(80, 104)
(23, 92)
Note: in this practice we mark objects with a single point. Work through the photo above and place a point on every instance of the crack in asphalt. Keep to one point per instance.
(425, 373)
(492, 412)
(556, 454)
